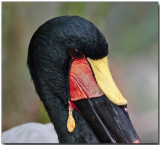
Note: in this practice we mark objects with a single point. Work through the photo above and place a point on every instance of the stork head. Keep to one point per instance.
(67, 59)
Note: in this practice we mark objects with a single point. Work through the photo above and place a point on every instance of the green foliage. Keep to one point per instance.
(72, 8)
(43, 115)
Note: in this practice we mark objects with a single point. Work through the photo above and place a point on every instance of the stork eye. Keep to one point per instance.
(75, 53)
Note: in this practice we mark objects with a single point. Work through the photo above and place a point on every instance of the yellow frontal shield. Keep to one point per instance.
(105, 81)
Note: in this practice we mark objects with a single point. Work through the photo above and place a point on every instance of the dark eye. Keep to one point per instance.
(75, 53)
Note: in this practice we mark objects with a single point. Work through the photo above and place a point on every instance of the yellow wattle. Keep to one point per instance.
(70, 122)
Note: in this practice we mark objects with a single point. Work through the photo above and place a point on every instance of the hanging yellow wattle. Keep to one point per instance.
(70, 121)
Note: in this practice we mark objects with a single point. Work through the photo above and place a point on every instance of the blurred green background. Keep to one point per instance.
(131, 30)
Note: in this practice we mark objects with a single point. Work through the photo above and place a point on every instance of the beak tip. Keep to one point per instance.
(136, 141)
(120, 102)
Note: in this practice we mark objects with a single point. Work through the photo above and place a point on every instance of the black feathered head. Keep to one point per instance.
(68, 64)
(48, 55)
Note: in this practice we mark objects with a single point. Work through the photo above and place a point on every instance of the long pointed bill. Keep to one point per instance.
(100, 102)
(110, 123)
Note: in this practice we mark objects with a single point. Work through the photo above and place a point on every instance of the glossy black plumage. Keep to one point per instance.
(48, 61)
(49, 65)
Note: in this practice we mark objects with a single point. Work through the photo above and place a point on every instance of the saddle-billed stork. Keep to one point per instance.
(67, 59)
